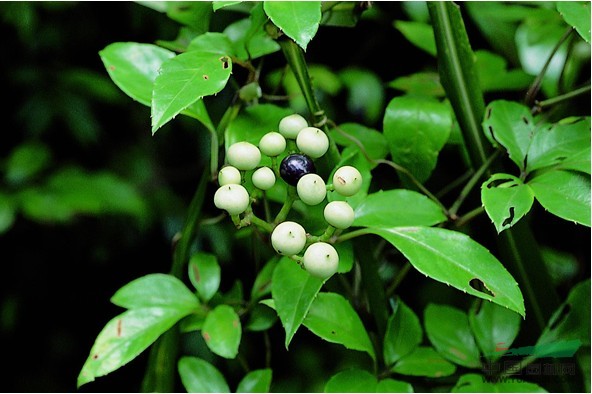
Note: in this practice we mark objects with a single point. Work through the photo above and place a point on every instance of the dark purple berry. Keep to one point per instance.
(295, 166)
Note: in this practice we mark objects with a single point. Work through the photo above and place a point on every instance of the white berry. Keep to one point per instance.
(229, 175)
(339, 214)
(321, 260)
(243, 155)
(291, 125)
(263, 178)
(311, 189)
(312, 142)
(288, 238)
(232, 198)
(272, 144)
(347, 181)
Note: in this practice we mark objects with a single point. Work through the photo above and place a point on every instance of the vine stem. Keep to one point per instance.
(539, 105)
(295, 57)
(466, 190)
(536, 84)
(390, 163)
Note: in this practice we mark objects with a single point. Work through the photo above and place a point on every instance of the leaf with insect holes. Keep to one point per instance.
(134, 68)
(185, 79)
(511, 125)
(457, 260)
(506, 200)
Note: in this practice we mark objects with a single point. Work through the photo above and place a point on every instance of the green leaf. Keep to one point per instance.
(419, 34)
(204, 273)
(155, 290)
(222, 331)
(257, 381)
(420, 84)
(345, 250)
(448, 330)
(299, 20)
(351, 381)
(506, 200)
(199, 376)
(332, 318)
(7, 212)
(474, 383)
(372, 140)
(126, 336)
(416, 129)
(466, 267)
(262, 283)
(563, 267)
(293, 291)
(403, 333)
(494, 328)
(576, 14)
(365, 93)
(218, 4)
(397, 208)
(393, 386)
(424, 361)
(249, 39)
(571, 322)
(557, 144)
(209, 42)
(261, 318)
(134, 67)
(25, 162)
(511, 125)
(183, 80)
(344, 14)
(494, 76)
(565, 194)
(195, 14)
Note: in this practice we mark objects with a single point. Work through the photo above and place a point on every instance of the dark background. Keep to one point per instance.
(57, 278)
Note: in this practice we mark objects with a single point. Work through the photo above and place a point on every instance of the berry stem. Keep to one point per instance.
(352, 234)
(283, 213)
(325, 237)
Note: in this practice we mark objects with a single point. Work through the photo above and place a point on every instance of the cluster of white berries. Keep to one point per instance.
(296, 169)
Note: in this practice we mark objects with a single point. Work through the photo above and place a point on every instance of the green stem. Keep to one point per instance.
(326, 236)
(283, 213)
(459, 77)
(162, 362)
(467, 217)
(516, 246)
(539, 105)
(471, 184)
(352, 234)
(536, 84)
(295, 57)
(398, 279)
